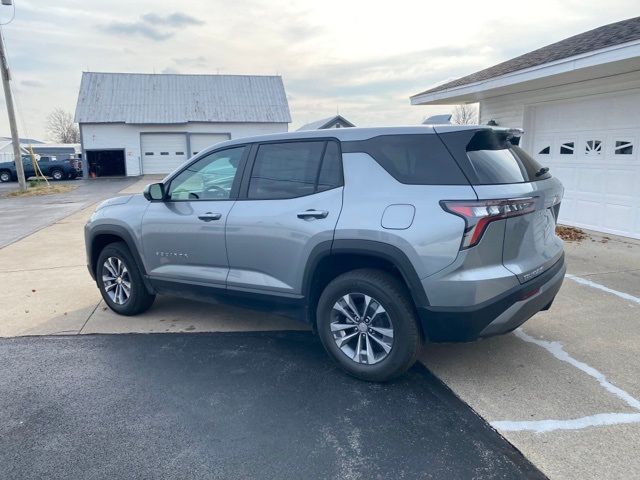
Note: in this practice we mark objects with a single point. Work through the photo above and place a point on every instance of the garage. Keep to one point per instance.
(163, 152)
(578, 102)
(106, 163)
(200, 141)
(161, 119)
(591, 145)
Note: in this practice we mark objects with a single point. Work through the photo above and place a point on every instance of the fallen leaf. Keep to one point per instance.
(570, 234)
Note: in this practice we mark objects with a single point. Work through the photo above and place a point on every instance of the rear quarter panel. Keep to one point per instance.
(432, 240)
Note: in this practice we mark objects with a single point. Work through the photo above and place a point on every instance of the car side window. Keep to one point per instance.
(296, 169)
(210, 178)
(331, 170)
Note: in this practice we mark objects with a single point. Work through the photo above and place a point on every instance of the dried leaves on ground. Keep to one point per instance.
(570, 234)
(42, 190)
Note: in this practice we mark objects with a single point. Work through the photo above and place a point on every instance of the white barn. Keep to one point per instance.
(134, 124)
(578, 101)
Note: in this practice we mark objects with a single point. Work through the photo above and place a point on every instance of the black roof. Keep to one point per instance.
(596, 39)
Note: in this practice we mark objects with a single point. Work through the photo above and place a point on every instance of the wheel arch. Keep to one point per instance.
(101, 236)
(330, 259)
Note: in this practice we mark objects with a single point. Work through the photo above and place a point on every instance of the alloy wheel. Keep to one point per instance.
(116, 280)
(362, 328)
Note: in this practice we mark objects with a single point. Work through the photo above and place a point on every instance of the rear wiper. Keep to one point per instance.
(542, 171)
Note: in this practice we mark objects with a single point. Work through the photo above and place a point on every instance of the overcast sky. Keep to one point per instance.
(364, 57)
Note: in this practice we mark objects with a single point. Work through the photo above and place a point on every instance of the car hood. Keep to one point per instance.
(114, 201)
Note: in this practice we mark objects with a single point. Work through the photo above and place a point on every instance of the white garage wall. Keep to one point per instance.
(599, 167)
(509, 110)
(120, 135)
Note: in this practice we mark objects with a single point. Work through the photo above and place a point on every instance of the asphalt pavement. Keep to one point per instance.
(234, 405)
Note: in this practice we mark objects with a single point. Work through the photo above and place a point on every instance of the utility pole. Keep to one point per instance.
(6, 77)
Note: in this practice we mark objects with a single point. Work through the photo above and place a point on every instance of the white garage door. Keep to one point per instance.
(200, 141)
(163, 152)
(592, 146)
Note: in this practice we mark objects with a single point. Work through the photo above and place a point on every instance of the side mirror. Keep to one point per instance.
(154, 192)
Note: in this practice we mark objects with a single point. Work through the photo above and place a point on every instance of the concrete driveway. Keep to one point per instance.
(25, 215)
(563, 389)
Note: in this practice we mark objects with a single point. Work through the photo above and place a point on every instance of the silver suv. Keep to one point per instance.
(380, 238)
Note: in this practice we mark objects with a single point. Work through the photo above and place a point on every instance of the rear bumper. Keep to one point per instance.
(497, 315)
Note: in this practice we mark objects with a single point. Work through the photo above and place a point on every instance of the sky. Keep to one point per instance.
(361, 58)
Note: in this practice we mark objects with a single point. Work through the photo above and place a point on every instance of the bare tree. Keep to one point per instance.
(60, 127)
(466, 114)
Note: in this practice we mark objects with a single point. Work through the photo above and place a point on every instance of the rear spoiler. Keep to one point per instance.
(511, 134)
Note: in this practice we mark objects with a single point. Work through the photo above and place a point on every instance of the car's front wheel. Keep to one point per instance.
(57, 175)
(5, 176)
(366, 322)
(120, 281)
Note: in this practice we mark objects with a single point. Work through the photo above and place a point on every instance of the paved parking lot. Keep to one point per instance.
(563, 389)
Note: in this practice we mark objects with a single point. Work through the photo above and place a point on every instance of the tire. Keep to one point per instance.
(138, 299)
(57, 175)
(5, 176)
(374, 362)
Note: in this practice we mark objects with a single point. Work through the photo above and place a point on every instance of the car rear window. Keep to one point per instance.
(417, 159)
(488, 157)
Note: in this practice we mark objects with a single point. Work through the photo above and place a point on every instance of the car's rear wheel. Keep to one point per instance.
(366, 322)
(57, 175)
(120, 281)
(5, 176)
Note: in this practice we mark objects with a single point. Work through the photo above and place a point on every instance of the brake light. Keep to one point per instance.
(479, 214)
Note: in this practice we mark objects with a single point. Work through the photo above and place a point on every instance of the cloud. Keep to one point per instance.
(32, 83)
(137, 28)
(152, 25)
(174, 20)
(199, 61)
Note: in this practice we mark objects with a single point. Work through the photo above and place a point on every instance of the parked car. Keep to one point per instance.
(56, 169)
(381, 238)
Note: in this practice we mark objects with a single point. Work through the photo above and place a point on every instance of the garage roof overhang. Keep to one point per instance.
(602, 63)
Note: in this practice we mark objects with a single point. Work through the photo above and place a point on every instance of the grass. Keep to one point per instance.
(38, 187)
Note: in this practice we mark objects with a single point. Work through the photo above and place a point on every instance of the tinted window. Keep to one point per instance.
(494, 160)
(210, 178)
(286, 170)
(331, 170)
(413, 159)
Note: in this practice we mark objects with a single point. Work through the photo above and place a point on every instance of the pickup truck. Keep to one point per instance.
(56, 169)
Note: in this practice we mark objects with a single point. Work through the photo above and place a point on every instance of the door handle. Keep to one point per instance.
(208, 217)
(313, 214)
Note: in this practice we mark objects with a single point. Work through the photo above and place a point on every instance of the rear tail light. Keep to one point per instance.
(479, 214)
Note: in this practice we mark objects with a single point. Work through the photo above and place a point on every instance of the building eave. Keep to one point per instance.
(625, 57)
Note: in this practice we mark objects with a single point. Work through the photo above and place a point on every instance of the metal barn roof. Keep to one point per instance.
(170, 98)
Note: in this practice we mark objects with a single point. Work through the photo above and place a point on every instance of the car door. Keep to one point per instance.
(290, 202)
(27, 165)
(183, 235)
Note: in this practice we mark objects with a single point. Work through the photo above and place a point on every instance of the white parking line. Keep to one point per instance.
(542, 426)
(598, 420)
(555, 348)
(589, 283)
